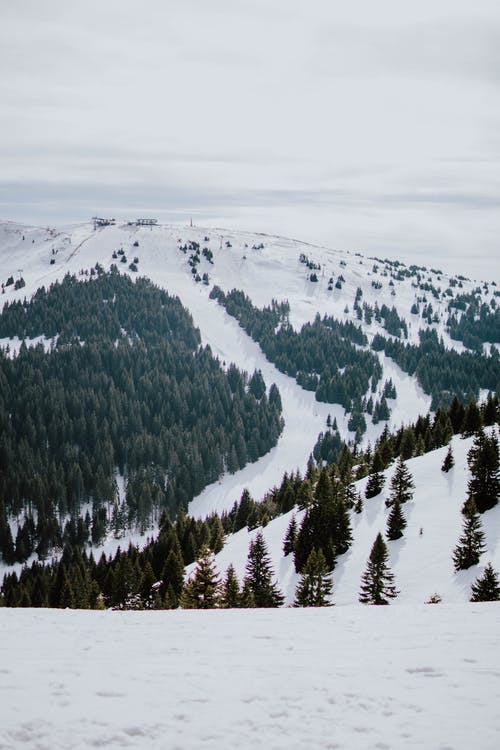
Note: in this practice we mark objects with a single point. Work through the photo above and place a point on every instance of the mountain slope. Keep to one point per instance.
(268, 268)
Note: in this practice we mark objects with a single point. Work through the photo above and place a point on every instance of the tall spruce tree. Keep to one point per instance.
(258, 584)
(290, 537)
(471, 544)
(484, 464)
(201, 591)
(377, 582)
(486, 588)
(376, 479)
(401, 486)
(315, 586)
(326, 523)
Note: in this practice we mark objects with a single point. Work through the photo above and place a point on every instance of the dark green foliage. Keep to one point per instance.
(472, 421)
(230, 597)
(478, 323)
(471, 544)
(396, 522)
(201, 591)
(401, 485)
(314, 355)
(374, 485)
(326, 525)
(127, 388)
(315, 586)
(449, 461)
(328, 447)
(258, 587)
(442, 372)
(290, 537)
(484, 464)
(486, 588)
(377, 582)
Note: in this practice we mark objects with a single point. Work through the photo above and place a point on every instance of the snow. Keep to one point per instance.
(271, 272)
(421, 562)
(345, 677)
(409, 675)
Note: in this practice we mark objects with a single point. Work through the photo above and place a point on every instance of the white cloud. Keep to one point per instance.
(369, 107)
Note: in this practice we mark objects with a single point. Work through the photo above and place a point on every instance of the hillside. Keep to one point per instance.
(189, 262)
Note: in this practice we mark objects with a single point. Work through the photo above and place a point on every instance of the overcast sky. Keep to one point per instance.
(364, 125)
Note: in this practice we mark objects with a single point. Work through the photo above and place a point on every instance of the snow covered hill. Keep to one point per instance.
(410, 675)
(421, 561)
(268, 268)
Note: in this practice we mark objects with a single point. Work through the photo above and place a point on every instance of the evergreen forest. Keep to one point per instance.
(120, 415)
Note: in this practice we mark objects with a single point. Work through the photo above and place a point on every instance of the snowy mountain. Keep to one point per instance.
(350, 676)
(314, 281)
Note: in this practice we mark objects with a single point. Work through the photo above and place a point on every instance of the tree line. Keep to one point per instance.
(324, 356)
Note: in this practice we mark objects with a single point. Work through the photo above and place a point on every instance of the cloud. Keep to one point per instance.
(385, 109)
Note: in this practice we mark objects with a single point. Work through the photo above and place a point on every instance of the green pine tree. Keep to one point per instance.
(259, 573)
(402, 484)
(290, 537)
(396, 522)
(484, 464)
(201, 591)
(377, 582)
(486, 588)
(230, 591)
(315, 586)
(375, 484)
(471, 544)
(449, 461)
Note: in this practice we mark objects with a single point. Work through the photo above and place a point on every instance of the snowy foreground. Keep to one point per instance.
(347, 677)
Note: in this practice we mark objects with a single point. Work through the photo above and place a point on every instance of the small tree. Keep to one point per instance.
(258, 580)
(315, 586)
(396, 522)
(374, 485)
(402, 484)
(201, 591)
(471, 544)
(290, 537)
(377, 582)
(230, 597)
(486, 588)
(449, 461)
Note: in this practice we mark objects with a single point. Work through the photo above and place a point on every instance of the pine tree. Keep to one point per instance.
(290, 537)
(173, 574)
(259, 573)
(484, 464)
(402, 485)
(374, 485)
(201, 591)
(449, 461)
(486, 588)
(315, 585)
(230, 591)
(377, 581)
(471, 544)
(396, 522)
(472, 419)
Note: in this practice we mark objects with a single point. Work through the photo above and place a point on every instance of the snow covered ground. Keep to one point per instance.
(425, 677)
(421, 560)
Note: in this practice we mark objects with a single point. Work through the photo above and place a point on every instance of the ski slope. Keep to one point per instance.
(273, 271)
(264, 273)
